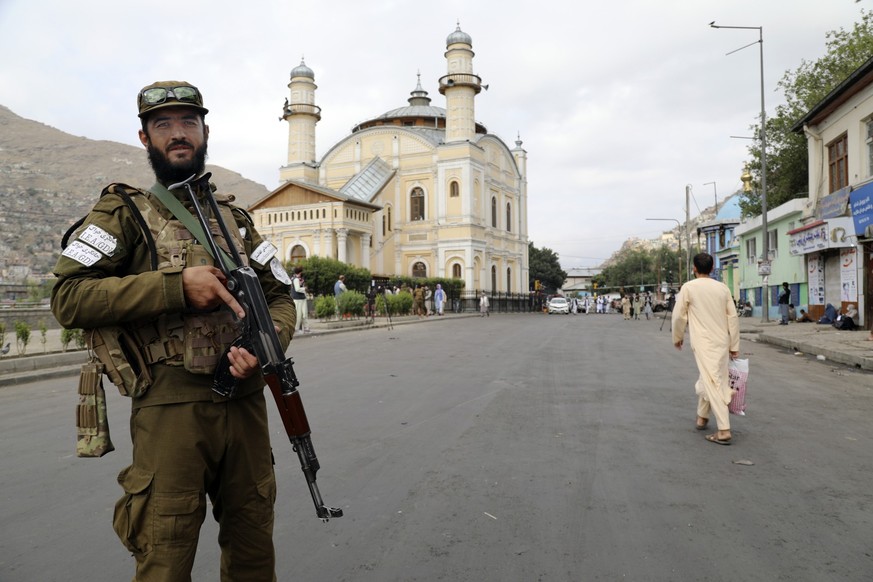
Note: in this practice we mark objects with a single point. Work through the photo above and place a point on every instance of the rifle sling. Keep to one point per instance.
(185, 217)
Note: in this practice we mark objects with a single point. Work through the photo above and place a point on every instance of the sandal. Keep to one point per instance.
(703, 426)
(713, 438)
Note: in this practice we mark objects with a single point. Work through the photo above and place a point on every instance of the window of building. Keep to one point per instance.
(389, 218)
(454, 189)
(752, 251)
(456, 271)
(838, 163)
(773, 243)
(384, 221)
(419, 269)
(493, 278)
(416, 204)
(508, 279)
(494, 211)
(508, 217)
(298, 253)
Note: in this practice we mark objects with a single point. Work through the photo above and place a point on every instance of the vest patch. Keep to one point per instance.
(264, 253)
(82, 253)
(279, 271)
(99, 239)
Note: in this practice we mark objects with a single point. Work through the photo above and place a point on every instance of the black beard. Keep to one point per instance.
(169, 173)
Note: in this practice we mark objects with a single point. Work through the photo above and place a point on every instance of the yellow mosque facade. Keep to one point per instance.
(417, 191)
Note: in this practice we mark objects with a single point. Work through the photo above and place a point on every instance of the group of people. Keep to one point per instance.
(632, 306)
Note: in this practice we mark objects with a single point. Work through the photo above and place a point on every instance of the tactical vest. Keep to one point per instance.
(193, 340)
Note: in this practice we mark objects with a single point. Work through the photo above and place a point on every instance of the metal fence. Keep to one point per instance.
(467, 300)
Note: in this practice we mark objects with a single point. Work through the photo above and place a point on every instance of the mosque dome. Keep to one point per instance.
(302, 70)
(459, 36)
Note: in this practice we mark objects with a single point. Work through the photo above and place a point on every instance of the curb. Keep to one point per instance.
(22, 370)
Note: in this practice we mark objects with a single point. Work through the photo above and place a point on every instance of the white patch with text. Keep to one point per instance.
(279, 271)
(82, 253)
(264, 253)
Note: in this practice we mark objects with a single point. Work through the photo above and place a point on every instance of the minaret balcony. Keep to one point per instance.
(302, 109)
(460, 80)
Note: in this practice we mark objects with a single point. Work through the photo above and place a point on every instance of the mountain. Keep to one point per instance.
(49, 179)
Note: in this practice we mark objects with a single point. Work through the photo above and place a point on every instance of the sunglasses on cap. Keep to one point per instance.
(183, 94)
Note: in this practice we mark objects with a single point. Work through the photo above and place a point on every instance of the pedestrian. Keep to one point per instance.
(439, 299)
(483, 305)
(339, 287)
(637, 305)
(133, 272)
(784, 300)
(647, 308)
(418, 301)
(705, 306)
(428, 300)
(298, 294)
(626, 307)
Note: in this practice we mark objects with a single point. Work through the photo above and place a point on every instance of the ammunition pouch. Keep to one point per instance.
(119, 353)
(92, 424)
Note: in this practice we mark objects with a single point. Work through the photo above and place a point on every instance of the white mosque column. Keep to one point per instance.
(316, 242)
(342, 237)
(365, 251)
(328, 243)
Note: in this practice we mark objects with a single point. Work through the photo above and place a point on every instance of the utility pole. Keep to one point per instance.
(688, 229)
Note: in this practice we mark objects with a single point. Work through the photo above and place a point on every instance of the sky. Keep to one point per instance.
(619, 104)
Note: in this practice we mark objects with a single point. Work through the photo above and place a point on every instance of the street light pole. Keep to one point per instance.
(764, 268)
(678, 238)
(688, 228)
(715, 192)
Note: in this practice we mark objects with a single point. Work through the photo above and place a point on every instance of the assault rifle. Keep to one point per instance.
(259, 337)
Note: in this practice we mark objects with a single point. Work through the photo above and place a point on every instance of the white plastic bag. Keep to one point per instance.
(738, 372)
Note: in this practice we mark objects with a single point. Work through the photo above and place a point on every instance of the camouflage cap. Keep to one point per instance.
(169, 94)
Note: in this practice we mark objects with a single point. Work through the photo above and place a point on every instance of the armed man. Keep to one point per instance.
(159, 314)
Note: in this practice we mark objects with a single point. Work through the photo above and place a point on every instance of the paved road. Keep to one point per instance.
(512, 448)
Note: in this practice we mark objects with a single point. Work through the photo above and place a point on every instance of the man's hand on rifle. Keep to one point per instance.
(242, 363)
(204, 288)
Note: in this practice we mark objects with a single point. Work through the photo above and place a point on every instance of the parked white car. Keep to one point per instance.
(558, 305)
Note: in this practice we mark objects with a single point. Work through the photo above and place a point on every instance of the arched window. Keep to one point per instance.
(419, 269)
(416, 204)
(454, 189)
(494, 211)
(456, 271)
(493, 278)
(508, 217)
(384, 219)
(389, 219)
(298, 253)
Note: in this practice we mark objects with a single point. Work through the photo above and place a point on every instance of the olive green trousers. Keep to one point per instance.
(183, 453)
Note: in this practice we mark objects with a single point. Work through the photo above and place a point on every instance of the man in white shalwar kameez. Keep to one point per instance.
(707, 308)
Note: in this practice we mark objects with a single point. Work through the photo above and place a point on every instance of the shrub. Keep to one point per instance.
(22, 336)
(43, 331)
(67, 335)
(400, 304)
(351, 303)
(325, 307)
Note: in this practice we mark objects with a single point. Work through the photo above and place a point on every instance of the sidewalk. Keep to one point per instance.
(43, 361)
(844, 347)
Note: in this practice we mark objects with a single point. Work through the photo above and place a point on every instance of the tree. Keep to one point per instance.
(546, 268)
(634, 267)
(787, 155)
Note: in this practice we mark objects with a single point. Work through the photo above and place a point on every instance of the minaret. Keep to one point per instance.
(460, 87)
(301, 113)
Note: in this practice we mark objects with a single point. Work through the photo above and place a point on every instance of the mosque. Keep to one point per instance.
(418, 191)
